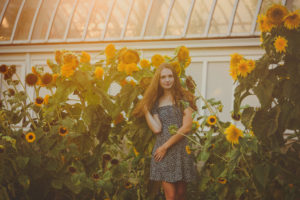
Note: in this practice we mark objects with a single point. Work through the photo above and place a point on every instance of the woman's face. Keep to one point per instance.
(166, 78)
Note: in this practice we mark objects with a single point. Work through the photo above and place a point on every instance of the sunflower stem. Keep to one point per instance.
(23, 88)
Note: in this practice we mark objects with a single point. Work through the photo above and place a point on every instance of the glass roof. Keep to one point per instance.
(51, 21)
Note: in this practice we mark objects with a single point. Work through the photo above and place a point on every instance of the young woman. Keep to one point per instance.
(170, 105)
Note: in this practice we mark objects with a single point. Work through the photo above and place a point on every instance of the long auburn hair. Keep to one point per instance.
(155, 91)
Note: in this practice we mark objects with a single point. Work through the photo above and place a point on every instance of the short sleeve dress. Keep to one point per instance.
(177, 164)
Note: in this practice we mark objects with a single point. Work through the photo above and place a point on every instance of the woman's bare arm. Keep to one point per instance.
(153, 121)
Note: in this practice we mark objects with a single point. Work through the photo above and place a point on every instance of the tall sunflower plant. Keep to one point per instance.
(79, 141)
(274, 81)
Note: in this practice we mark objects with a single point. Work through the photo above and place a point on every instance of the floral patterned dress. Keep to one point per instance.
(177, 164)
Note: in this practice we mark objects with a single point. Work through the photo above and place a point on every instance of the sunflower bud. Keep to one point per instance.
(3, 69)
(236, 116)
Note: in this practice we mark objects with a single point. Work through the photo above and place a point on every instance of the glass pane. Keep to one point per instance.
(98, 17)
(244, 16)
(221, 17)
(199, 17)
(2, 3)
(177, 17)
(293, 4)
(117, 19)
(25, 19)
(157, 17)
(62, 16)
(79, 19)
(9, 18)
(136, 18)
(264, 7)
(220, 86)
(43, 19)
(195, 71)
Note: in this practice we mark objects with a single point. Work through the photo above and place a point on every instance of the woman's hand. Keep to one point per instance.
(160, 153)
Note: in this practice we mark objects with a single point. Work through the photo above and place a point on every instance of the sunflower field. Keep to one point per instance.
(80, 141)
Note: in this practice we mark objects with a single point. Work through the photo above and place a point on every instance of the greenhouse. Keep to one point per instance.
(73, 72)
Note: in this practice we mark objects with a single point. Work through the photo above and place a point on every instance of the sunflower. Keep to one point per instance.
(2, 148)
(145, 63)
(233, 134)
(46, 78)
(211, 120)
(67, 70)
(54, 77)
(119, 119)
(12, 69)
(63, 131)
(212, 146)
(130, 56)
(187, 149)
(58, 56)
(30, 137)
(96, 176)
(188, 62)
(222, 180)
(136, 153)
(243, 68)
(72, 170)
(280, 44)
(3, 69)
(46, 99)
(121, 67)
(233, 73)
(235, 59)
(128, 185)
(157, 59)
(106, 157)
(132, 82)
(114, 161)
(110, 51)
(196, 124)
(276, 13)
(71, 60)
(129, 68)
(99, 72)
(85, 57)
(177, 68)
(39, 101)
(292, 20)
(123, 82)
(251, 65)
(264, 24)
(183, 54)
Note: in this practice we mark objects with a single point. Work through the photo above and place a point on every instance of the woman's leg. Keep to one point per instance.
(180, 190)
(170, 190)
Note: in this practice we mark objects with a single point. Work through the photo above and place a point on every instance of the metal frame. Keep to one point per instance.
(258, 7)
(34, 20)
(3, 10)
(126, 22)
(16, 21)
(188, 18)
(70, 20)
(126, 19)
(211, 12)
(146, 19)
(88, 20)
(51, 20)
(163, 32)
(107, 19)
(232, 17)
